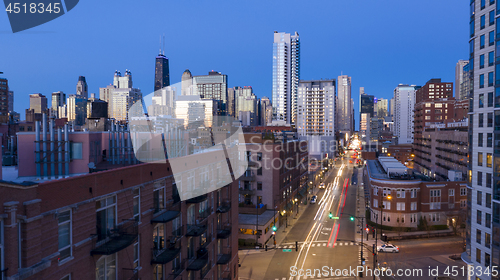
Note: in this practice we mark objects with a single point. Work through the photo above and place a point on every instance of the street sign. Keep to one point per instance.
(287, 250)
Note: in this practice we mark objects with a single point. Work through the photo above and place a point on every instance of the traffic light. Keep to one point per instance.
(274, 229)
(331, 215)
(352, 218)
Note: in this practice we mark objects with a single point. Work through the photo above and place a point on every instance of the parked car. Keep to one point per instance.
(388, 248)
(313, 199)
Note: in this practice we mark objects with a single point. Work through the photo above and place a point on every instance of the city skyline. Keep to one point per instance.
(254, 65)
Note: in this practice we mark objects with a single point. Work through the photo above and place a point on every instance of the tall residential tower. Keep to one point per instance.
(344, 105)
(286, 76)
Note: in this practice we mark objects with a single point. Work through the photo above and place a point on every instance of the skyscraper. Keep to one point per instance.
(286, 76)
(77, 109)
(316, 116)
(162, 73)
(483, 213)
(4, 94)
(58, 99)
(120, 96)
(38, 102)
(382, 108)
(344, 105)
(404, 104)
(246, 105)
(212, 86)
(266, 115)
(82, 88)
(459, 78)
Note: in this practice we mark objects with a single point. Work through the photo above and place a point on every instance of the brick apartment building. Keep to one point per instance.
(124, 223)
(411, 198)
(272, 189)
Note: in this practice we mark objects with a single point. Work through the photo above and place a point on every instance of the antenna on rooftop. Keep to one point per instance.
(163, 44)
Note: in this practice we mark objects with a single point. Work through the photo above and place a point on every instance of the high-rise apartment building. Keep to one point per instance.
(266, 110)
(459, 78)
(382, 108)
(286, 76)
(162, 73)
(316, 116)
(82, 87)
(246, 104)
(404, 104)
(483, 221)
(465, 87)
(11, 100)
(38, 102)
(212, 86)
(434, 89)
(344, 104)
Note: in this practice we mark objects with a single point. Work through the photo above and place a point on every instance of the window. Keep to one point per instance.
(471, 28)
(259, 156)
(488, 220)
(491, 79)
(479, 216)
(105, 216)
(479, 178)
(413, 193)
(487, 240)
(259, 186)
(489, 160)
(400, 206)
(259, 171)
(479, 139)
(489, 140)
(387, 205)
(386, 192)
(427, 118)
(413, 206)
(375, 191)
(488, 200)
(487, 259)
(478, 236)
(401, 193)
(483, 4)
(158, 272)
(159, 199)
(490, 120)
(491, 61)
(490, 98)
(67, 277)
(488, 180)
(106, 268)
(463, 203)
(481, 120)
(479, 198)
(481, 40)
(451, 192)
(76, 150)
(492, 17)
(480, 159)
(375, 203)
(463, 191)
(481, 100)
(64, 233)
(483, 21)
(137, 204)
(478, 255)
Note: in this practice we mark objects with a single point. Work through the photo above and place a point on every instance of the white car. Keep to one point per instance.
(322, 185)
(313, 200)
(388, 248)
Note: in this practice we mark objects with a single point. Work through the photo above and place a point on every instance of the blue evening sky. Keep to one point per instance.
(378, 43)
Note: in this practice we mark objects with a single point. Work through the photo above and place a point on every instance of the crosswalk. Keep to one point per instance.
(316, 244)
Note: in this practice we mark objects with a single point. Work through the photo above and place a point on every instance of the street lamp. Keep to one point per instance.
(389, 197)
(296, 202)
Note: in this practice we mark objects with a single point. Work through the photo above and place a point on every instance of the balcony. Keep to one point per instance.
(248, 176)
(224, 206)
(177, 271)
(225, 256)
(197, 199)
(116, 239)
(166, 255)
(196, 229)
(204, 213)
(173, 211)
(223, 231)
(245, 191)
(200, 262)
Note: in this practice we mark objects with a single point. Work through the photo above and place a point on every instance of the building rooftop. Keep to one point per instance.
(250, 219)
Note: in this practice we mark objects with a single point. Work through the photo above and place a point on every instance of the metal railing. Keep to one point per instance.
(115, 239)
